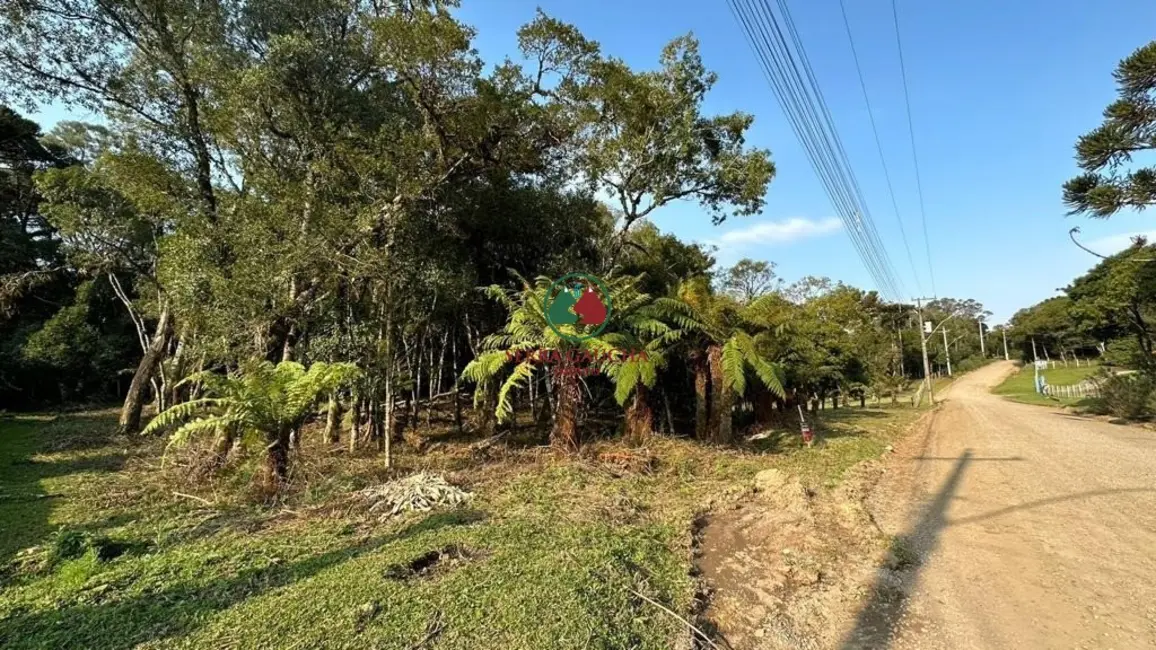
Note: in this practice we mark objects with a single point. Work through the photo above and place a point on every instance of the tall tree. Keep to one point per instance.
(749, 279)
(1129, 128)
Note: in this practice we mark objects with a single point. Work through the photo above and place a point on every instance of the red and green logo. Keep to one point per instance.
(577, 307)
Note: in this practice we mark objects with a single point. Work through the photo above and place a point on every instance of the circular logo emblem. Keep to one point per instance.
(577, 307)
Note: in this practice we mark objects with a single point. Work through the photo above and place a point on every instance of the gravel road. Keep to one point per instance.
(1019, 527)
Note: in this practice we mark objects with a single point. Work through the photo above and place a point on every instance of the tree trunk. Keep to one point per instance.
(564, 435)
(333, 420)
(764, 405)
(276, 462)
(669, 413)
(720, 414)
(221, 447)
(701, 398)
(387, 438)
(355, 423)
(639, 417)
(372, 421)
(457, 389)
(429, 398)
(134, 401)
(174, 393)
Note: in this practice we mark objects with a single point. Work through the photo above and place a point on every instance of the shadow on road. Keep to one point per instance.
(972, 460)
(876, 626)
(1043, 502)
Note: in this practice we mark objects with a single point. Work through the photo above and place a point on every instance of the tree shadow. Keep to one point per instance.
(876, 625)
(181, 609)
(25, 505)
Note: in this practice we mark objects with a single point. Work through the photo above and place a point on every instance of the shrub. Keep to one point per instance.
(1124, 353)
(971, 363)
(1131, 396)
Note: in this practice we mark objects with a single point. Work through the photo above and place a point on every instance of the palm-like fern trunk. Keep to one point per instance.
(277, 461)
(564, 435)
(764, 405)
(639, 417)
(720, 413)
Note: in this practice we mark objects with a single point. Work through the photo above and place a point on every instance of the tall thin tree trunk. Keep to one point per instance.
(457, 387)
(333, 420)
(429, 400)
(173, 393)
(130, 414)
(669, 413)
(387, 434)
(355, 423)
(372, 421)
(701, 397)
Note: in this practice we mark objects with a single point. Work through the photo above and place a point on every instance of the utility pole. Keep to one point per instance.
(1036, 364)
(982, 345)
(947, 351)
(923, 343)
(1006, 357)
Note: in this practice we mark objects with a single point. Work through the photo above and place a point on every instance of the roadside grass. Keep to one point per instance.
(1020, 386)
(105, 544)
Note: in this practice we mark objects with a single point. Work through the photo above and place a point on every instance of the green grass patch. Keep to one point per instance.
(100, 550)
(1020, 386)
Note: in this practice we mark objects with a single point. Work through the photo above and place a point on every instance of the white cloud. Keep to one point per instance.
(1116, 243)
(780, 232)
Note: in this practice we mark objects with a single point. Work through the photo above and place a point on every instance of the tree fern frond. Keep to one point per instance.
(628, 377)
(177, 413)
(733, 367)
(485, 366)
(181, 436)
(521, 374)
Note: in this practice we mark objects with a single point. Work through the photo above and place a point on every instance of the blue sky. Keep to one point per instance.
(1000, 90)
(999, 93)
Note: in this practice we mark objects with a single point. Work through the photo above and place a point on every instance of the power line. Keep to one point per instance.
(788, 70)
(879, 146)
(911, 134)
(868, 223)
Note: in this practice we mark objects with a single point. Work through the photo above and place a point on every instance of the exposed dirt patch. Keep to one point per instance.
(787, 567)
(434, 562)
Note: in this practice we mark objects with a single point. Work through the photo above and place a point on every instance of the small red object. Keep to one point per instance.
(808, 435)
(590, 309)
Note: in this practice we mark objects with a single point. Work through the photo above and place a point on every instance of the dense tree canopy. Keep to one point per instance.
(278, 183)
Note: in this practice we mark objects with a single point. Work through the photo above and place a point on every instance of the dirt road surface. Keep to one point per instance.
(1021, 527)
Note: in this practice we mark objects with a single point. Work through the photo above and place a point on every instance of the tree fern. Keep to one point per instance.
(517, 379)
(260, 403)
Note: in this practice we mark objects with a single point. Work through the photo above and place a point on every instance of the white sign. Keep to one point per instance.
(1042, 365)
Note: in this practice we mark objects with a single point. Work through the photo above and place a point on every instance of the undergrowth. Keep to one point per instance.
(108, 544)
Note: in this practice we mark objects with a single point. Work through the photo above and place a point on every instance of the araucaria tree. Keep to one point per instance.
(1108, 184)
